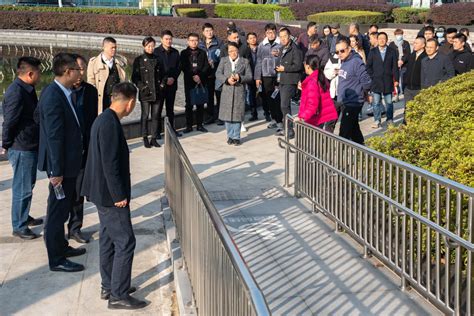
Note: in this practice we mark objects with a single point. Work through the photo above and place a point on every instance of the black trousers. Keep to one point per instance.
(153, 108)
(116, 248)
(273, 104)
(252, 90)
(188, 110)
(213, 105)
(76, 216)
(56, 215)
(287, 92)
(350, 128)
(168, 96)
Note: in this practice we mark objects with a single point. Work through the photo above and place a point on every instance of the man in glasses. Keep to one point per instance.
(60, 154)
(354, 82)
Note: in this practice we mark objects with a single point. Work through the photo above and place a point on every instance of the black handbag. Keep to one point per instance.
(199, 95)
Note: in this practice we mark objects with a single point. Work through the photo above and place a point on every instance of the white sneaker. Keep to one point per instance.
(242, 127)
(273, 124)
(279, 125)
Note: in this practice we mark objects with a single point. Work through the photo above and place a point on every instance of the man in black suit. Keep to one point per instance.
(382, 67)
(107, 185)
(60, 155)
(85, 96)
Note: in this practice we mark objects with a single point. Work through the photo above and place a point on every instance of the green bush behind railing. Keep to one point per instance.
(410, 15)
(346, 17)
(252, 11)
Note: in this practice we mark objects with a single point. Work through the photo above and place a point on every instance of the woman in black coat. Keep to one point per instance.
(147, 76)
(382, 67)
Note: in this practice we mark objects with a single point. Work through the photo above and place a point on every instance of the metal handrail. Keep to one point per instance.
(391, 208)
(255, 295)
(456, 239)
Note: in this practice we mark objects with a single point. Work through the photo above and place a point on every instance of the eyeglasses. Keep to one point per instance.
(77, 69)
(341, 51)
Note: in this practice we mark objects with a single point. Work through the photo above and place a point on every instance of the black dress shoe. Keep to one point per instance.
(202, 129)
(26, 234)
(105, 293)
(219, 122)
(237, 142)
(67, 266)
(230, 141)
(268, 118)
(74, 252)
(154, 143)
(126, 303)
(146, 142)
(79, 237)
(34, 221)
(188, 130)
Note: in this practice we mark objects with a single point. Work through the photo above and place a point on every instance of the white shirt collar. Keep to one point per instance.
(109, 62)
(233, 63)
(266, 41)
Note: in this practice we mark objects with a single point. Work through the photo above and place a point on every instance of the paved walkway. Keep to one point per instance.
(27, 287)
(302, 266)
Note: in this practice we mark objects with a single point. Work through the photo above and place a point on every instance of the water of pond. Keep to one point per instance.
(9, 56)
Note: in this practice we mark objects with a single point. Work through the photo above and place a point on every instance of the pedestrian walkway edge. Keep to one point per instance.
(184, 292)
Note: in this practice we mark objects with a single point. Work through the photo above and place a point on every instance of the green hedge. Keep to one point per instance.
(252, 11)
(410, 15)
(439, 133)
(191, 12)
(76, 10)
(346, 17)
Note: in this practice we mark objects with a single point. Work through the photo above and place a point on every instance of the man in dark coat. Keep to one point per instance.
(289, 73)
(107, 185)
(382, 68)
(169, 57)
(304, 38)
(20, 141)
(403, 49)
(435, 67)
(61, 149)
(195, 67)
(316, 47)
(86, 99)
(463, 60)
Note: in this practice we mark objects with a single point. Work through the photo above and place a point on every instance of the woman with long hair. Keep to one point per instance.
(356, 46)
(316, 106)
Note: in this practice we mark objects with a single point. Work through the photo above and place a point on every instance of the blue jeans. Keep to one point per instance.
(377, 105)
(24, 165)
(233, 129)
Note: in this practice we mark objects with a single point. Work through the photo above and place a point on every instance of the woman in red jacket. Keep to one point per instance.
(316, 106)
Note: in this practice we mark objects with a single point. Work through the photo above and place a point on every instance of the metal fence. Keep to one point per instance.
(417, 223)
(222, 283)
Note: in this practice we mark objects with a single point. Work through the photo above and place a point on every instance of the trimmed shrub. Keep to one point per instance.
(439, 133)
(120, 24)
(191, 12)
(410, 15)
(453, 14)
(302, 10)
(117, 11)
(345, 17)
(209, 8)
(252, 11)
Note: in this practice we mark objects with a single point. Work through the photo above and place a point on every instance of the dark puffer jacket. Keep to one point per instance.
(147, 76)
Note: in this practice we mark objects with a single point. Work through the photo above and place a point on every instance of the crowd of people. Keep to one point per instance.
(73, 131)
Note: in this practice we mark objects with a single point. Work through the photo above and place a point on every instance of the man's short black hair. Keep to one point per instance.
(166, 32)
(26, 64)
(271, 27)
(310, 24)
(382, 33)
(430, 28)
(374, 34)
(450, 30)
(432, 40)
(344, 40)
(232, 31)
(461, 37)
(233, 45)
(207, 26)
(285, 29)
(421, 38)
(124, 91)
(193, 35)
(77, 56)
(251, 33)
(314, 39)
(374, 25)
(62, 62)
(109, 39)
(147, 40)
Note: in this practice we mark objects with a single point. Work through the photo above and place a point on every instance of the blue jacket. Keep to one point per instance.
(213, 52)
(353, 81)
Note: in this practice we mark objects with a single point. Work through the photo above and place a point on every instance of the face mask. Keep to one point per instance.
(440, 34)
(399, 38)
